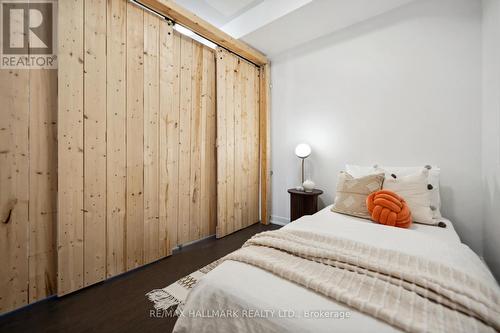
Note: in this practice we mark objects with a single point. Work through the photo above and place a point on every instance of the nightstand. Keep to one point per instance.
(303, 203)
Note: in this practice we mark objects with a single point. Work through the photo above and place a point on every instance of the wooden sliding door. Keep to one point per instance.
(109, 162)
(137, 171)
(238, 143)
(190, 165)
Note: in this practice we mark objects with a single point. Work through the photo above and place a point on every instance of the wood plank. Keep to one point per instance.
(256, 150)
(185, 139)
(166, 104)
(196, 135)
(221, 68)
(94, 204)
(250, 103)
(14, 176)
(252, 174)
(151, 137)
(230, 82)
(43, 184)
(212, 141)
(238, 153)
(265, 143)
(173, 144)
(70, 148)
(203, 28)
(247, 90)
(204, 152)
(135, 136)
(116, 113)
(207, 142)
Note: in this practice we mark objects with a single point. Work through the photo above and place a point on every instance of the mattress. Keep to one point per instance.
(236, 297)
(344, 225)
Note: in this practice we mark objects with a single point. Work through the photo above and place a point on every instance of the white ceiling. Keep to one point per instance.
(218, 12)
(316, 19)
(275, 26)
(229, 8)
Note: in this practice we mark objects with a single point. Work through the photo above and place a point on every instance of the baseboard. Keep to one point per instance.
(279, 220)
(180, 246)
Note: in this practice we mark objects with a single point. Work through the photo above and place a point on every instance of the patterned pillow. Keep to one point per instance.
(352, 192)
(415, 189)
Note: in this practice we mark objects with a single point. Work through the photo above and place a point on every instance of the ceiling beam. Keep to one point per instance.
(260, 15)
(205, 29)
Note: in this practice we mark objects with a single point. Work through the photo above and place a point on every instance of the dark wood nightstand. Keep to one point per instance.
(303, 203)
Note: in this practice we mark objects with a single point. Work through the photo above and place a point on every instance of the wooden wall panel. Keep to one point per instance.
(166, 73)
(255, 152)
(208, 166)
(195, 163)
(222, 68)
(173, 132)
(244, 156)
(239, 107)
(70, 149)
(116, 155)
(185, 139)
(238, 143)
(151, 138)
(135, 136)
(43, 183)
(230, 110)
(211, 147)
(94, 190)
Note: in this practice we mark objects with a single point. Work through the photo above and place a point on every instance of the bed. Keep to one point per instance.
(273, 304)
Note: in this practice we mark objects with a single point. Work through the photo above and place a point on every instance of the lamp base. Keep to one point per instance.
(308, 185)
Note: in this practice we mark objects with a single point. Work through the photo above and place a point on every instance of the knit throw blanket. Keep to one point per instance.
(411, 293)
(174, 296)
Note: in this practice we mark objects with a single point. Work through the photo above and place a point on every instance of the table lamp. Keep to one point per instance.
(303, 151)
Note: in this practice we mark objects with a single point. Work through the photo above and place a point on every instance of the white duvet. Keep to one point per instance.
(236, 297)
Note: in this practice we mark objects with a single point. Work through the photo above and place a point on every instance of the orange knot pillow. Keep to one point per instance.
(388, 208)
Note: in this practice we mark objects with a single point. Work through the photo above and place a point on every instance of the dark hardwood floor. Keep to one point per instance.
(119, 304)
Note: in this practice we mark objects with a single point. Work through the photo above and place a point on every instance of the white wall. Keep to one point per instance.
(403, 88)
(491, 133)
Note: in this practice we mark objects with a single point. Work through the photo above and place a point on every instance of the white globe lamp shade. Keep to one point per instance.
(303, 150)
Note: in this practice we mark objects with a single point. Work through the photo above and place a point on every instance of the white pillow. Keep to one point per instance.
(434, 172)
(413, 189)
(358, 171)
